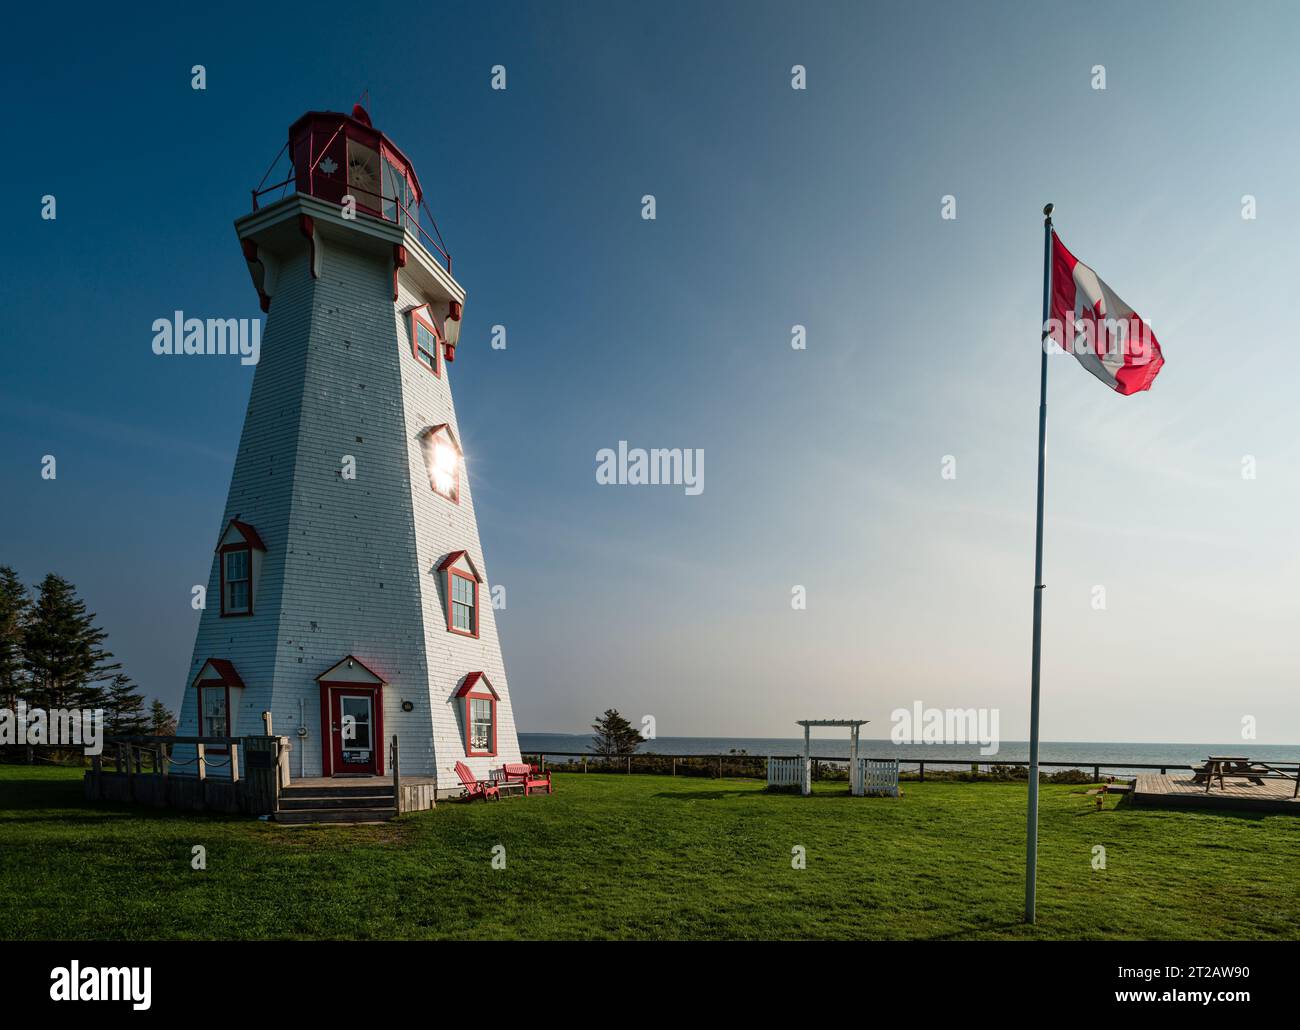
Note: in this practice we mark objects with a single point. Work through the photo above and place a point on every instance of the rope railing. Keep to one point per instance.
(130, 751)
(245, 773)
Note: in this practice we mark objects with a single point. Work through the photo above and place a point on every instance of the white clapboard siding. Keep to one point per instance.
(352, 564)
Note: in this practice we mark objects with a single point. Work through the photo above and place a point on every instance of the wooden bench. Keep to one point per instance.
(522, 772)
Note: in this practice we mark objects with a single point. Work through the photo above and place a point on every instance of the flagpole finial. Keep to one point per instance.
(1047, 210)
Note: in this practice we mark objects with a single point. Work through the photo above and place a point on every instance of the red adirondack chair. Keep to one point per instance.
(476, 788)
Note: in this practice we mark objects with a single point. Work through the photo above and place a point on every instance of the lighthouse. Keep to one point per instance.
(348, 593)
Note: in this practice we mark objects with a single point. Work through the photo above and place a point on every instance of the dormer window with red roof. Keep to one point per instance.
(462, 593)
(442, 456)
(426, 340)
(239, 558)
(213, 685)
(480, 716)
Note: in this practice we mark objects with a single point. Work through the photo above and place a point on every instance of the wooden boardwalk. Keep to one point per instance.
(1239, 794)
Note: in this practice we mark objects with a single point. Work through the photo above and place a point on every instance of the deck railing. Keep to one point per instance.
(146, 769)
(130, 753)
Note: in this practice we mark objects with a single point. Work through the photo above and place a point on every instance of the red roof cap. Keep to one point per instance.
(248, 533)
(456, 556)
(225, 668)
(471, 680)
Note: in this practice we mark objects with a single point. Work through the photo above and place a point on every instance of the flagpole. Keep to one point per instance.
(1031, 832)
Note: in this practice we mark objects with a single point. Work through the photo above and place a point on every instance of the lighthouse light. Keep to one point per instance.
(444, 471)
(363, 174)
(442, 459)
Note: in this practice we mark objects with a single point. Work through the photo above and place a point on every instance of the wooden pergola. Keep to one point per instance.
(854, 725)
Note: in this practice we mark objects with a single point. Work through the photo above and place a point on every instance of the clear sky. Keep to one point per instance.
(775, 207)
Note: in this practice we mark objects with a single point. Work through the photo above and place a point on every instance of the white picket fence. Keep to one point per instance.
(785, 772)
(874, 776)
(866, 776)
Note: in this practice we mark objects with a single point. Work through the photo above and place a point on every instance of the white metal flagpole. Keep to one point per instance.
(1031, 830)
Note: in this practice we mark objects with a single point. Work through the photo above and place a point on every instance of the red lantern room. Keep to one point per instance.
(343, 159)
(350, 183)
(336, 155)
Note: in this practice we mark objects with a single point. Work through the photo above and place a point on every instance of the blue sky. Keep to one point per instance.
(775, 207)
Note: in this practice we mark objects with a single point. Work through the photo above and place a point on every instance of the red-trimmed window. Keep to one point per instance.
(213, 685)
(480, 716)
(462, 603)
(239, 557)
(461, 590)
(426, 344)
(214, 711)
(442, 461)
(481, 713)
(236, 581)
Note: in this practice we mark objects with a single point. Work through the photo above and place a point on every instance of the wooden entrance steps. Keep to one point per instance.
(366, 803)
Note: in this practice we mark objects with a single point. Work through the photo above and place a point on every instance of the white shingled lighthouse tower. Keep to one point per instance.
(348, 594)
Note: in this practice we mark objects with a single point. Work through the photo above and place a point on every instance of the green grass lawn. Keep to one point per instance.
(648, 857)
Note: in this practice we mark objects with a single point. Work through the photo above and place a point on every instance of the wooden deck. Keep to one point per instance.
(356, 781)
(1273, 795)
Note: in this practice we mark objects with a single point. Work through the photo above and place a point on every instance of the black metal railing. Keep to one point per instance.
(411, 217)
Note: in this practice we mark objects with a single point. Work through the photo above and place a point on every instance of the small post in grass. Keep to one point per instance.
(807, 759)
(397, 777)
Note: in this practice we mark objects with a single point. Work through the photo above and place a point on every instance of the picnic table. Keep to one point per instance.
(1228, 765)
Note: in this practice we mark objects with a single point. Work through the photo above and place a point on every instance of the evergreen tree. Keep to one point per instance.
(62, 650)
(124, 709)
(161, 721)
(15, 606)
(614, 735)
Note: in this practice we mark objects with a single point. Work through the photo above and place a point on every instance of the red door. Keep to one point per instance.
(354, 731)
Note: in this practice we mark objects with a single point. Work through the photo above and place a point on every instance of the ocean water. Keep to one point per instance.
(1116, 757)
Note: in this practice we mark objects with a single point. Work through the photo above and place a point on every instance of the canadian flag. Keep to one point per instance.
(1091, 322)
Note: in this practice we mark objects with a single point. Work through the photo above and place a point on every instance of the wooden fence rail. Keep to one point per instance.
(652, 761)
